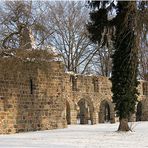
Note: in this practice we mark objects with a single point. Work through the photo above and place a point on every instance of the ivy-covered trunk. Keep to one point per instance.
(122, 29)
(125, 63)
(123, 126)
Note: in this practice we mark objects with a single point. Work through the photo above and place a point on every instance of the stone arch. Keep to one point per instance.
(139, 109)
(85, 112)
(68, 113)
(106, 112)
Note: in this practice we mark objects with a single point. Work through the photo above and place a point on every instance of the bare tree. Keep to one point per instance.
(68, 20)
(101, 63)
(58, 24)
(62, 24)
(16, 15)
(142, 29)
(143, 62)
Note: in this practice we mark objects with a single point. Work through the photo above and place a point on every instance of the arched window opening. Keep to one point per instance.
(84, 115)
(145, 88)
(139, 112)
(106, 113)
(96, 85)
(74, 83)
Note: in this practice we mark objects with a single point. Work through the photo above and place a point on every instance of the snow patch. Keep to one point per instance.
(80, 136)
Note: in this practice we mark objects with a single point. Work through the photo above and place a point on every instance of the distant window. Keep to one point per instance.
(145, 88)
(31, 86)
(74, 83)
(96, 85)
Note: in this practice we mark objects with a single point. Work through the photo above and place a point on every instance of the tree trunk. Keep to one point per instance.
(123, 126)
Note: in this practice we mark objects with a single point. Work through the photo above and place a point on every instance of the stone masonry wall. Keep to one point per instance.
(34, 96)
(143, 99)
(86, 89)
(30, 98)
(95, 90)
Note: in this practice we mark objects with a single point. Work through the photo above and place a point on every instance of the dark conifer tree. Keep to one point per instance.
(125, 63)
(125, 57)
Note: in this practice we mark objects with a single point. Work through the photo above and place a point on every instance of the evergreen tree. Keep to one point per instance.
(125, 58)
(125, 63)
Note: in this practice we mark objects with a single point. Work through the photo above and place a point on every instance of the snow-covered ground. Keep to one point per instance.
(80, 136)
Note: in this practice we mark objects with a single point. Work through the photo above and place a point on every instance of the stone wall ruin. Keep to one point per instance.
(36, 98)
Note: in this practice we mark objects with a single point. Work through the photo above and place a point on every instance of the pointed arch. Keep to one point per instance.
(106, 112)
(85, 112)
(139, 111)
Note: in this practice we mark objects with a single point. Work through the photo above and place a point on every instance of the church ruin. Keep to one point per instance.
(36, 97)
(33, 98)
